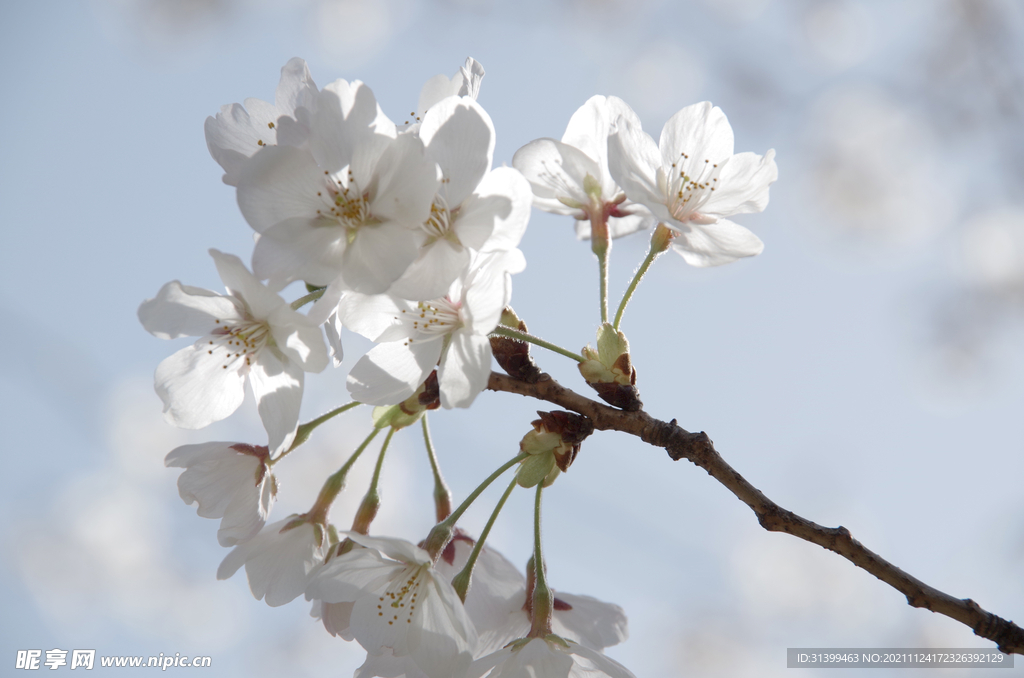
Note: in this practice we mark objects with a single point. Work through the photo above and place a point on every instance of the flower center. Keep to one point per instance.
(688, 186)
(238, 342)
(399, 600)
(346, 204)
(439, 224)
(432, 319)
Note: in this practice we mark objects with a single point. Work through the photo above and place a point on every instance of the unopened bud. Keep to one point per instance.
(552, 445)
(409, 411)
(609, 370)
(513, 355)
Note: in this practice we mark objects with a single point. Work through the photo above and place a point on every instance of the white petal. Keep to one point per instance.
(277, 385)
(743, 185)
(299, 341)
(489, 288)
(327, 304)
(590, 622)
(332, 328)
(279, 183)
(337, 619)
(227, 484)
(459, 137)
(432, 273)
(715, 244)
(296, 87)
(300, 249)
(407, 182)
(441, 635)
(378, 256)
(701, 131)
(387, 665)
(472, 74)
(634, 160)
(282, 573)
(261, 301)
(233, 560)
(246, 513)
(589, 129)
(371, 614)
(495, 602)
(596, 664)
(346, 117)
(494, 218)
(232, 137)
(196, 388)
(349, 576)
(391, 372)
(536, 659)
(183, 311)
(556, 171)
(434, 90)
(396, 549)
(278, 564)
(464, 370)
(370, 315)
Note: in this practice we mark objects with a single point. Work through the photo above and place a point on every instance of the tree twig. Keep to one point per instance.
(698, 448)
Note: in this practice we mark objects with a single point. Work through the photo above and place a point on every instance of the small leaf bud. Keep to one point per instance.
(609, 370)
(552, 445)
(513, 355)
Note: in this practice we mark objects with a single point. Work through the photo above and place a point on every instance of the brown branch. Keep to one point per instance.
(698, 448)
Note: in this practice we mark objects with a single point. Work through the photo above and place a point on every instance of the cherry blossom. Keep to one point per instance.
(551, 657)
(231, 481)
(280, 560)
(249, 334)
(476, 209)
(400, 604)
(449, 332)
(571, 176)
(238, 132)
(692, 180)
(465, 83)
(349, 204)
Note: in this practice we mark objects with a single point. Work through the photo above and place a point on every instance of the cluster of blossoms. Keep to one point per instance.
(407, 235)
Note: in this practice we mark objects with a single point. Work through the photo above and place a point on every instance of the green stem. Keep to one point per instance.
(312, 296)
(601, 245)
(442, 495)
(504, 331)
(334, 484)
(442, 532)
(659, 243)
(462, 579)
(371, 502)
(303, 432)
(543, 601)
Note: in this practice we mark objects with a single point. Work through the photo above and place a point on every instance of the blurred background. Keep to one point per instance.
(866, 370)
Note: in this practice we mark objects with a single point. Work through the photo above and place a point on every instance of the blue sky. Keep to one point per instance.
(866, 370)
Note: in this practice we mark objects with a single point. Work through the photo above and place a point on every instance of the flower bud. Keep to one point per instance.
(609, 370)
(409, 411)
(513, 355)
(552, 445)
